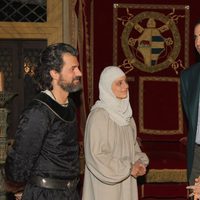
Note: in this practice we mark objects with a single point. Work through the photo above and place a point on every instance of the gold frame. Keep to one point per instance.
(144, 130)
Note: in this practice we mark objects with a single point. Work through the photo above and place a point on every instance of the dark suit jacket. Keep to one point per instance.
(190, 87)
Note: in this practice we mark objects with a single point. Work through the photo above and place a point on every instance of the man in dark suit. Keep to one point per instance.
(190, 90)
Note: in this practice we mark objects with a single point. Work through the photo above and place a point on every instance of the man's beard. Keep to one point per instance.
(70, 87)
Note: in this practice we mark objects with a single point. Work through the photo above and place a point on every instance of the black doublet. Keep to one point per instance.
(45, 145)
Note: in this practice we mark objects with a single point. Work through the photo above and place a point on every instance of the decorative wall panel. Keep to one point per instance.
(159, 99)
(151, 45)
(151, 38)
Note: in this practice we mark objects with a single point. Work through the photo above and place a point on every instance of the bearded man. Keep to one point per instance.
(44, 155)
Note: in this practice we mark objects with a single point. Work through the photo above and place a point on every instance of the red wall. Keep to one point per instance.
(103, 34)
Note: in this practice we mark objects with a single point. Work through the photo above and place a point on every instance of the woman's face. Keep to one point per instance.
(120, 87)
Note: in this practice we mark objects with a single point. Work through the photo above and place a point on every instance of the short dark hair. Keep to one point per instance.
(51, 58)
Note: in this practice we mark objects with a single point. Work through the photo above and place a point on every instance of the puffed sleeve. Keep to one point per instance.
(139, 155)
(28, 142)
(98, 152)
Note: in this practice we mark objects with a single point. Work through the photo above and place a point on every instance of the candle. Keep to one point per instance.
(1, 81)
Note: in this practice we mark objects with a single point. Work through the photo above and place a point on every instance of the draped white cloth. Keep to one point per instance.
(119, 109)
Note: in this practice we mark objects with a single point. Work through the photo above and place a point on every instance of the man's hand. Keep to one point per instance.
(195, 189)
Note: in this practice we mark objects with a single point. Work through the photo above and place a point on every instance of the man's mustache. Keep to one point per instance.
(77, 78)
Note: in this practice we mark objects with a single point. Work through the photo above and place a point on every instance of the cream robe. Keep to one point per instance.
(109, 151)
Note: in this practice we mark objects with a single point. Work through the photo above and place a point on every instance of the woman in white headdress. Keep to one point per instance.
(113, 157)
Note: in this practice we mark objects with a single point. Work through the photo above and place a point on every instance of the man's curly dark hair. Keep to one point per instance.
(51, 58)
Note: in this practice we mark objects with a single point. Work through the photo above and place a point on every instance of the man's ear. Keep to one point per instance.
(54, 74)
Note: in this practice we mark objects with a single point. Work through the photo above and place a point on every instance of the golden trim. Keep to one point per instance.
(141, 108)
(80, 33)
(115, 34)
(151, 6)
(166, 175)
(87, 54)
(91, 64)
(82, 38)
(73, 22)
(187, 33)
